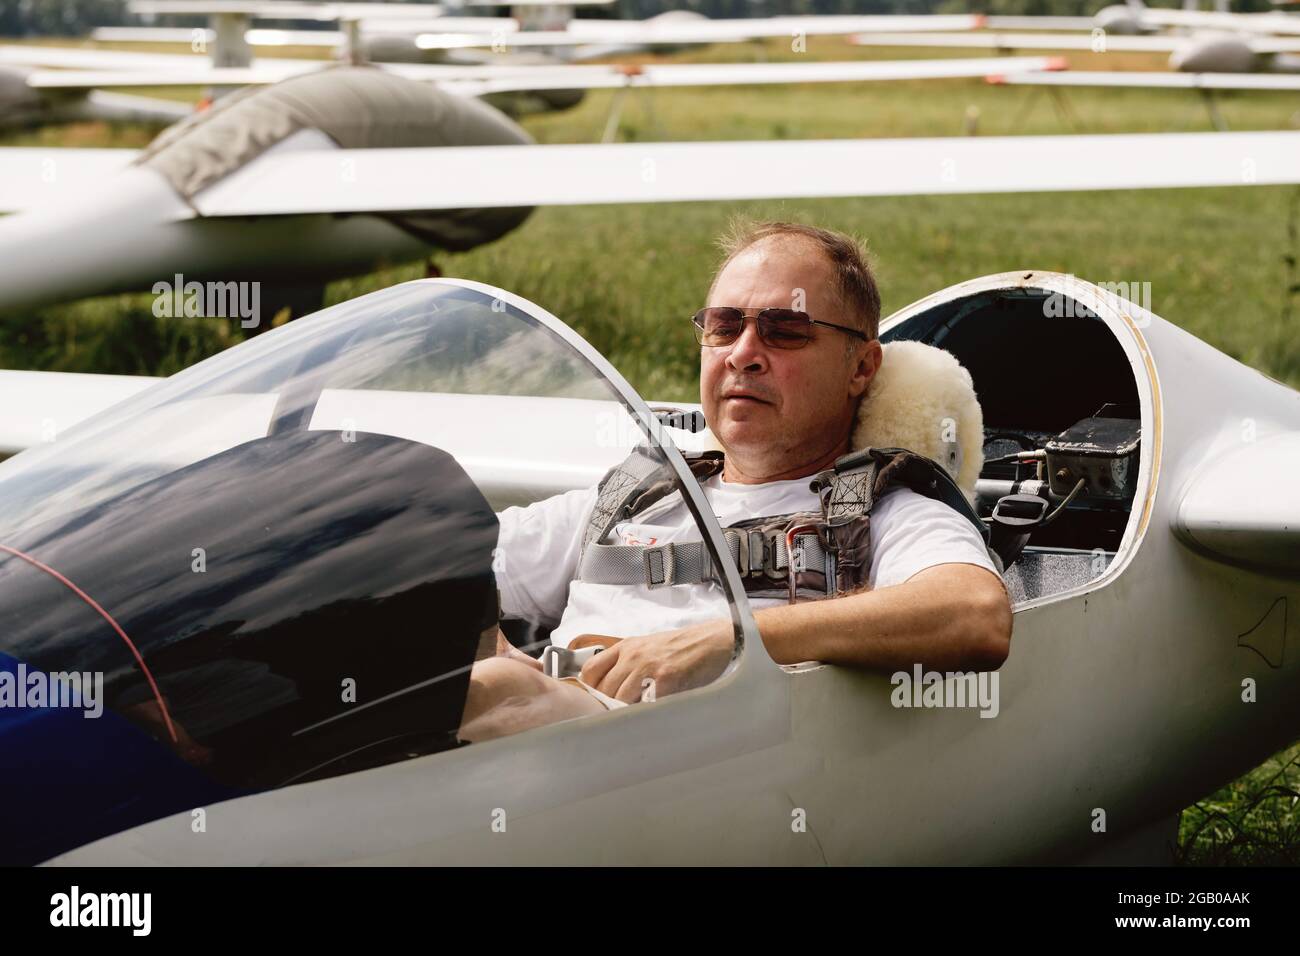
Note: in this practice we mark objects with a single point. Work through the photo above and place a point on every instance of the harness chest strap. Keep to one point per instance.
(831, 550)
(631, 486)
(755, 552)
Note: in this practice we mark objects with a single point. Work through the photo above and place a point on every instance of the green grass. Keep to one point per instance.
(1252, 821)
(1221, 263)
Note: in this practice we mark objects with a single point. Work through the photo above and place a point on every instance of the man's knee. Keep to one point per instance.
(506, 697)
(499, 680)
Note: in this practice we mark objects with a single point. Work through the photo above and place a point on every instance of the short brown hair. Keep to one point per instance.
(847, 256)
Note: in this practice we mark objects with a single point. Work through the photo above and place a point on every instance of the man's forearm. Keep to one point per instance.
(950, 617)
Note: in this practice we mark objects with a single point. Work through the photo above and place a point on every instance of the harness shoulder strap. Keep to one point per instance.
(861, 477)
(900, 468)
(804, 556)
(636, 483)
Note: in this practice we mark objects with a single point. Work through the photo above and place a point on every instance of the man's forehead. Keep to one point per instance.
(778, 267)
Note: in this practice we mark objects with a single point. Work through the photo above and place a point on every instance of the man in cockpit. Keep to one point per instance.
(780, 388)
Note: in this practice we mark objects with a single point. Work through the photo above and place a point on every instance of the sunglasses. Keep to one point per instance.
(777, 328)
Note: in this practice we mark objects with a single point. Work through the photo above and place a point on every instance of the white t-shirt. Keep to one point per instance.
(539, 549)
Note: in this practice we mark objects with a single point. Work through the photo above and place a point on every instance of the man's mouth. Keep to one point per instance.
(745, 397)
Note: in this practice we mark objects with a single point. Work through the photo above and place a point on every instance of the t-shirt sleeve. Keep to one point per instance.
(910, 532)
(537, 554)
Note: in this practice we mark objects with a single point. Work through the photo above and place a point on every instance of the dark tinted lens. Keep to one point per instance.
(718, 326)
(784, 328)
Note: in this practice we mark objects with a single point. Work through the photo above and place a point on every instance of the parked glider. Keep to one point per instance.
(231, 547)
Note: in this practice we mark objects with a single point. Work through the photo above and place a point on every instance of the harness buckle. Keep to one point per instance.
(759, 553)
(770, 554)
(659, 566)
(800, 562)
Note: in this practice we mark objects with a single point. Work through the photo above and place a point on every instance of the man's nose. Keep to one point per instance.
(748, 353)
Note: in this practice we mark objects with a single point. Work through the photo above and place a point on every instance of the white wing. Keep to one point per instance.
(1199, 81)
(198, 72)
(729, 74)
(30, 176)
(65, 57)
(1275, 44)
(328, 12)
(41, 405)
(320, 38)
(126, 107)
(323, 38)
(386, 180)
(750, 27)
(581, 32)
(197, 75)
(383, 180)
(478, 80)
(285, 9)
(1024, 41)
(1268, 23)
(1062, 41)
(1039, 23)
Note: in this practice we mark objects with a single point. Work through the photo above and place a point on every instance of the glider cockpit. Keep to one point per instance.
(281, 561)
(1063, 421)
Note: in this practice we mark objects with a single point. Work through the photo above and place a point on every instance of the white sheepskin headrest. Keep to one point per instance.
(923, 399)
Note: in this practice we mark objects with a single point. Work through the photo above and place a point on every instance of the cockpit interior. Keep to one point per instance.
(1062, 429)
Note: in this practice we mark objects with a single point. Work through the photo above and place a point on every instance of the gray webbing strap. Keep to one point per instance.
(755, 554)
(654, 566)
(619, 488)
(851, 494)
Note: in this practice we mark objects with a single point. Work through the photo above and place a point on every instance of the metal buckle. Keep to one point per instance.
(759, 558)
(666, 565)
(790, 534)
(728, 536)
(770, 554)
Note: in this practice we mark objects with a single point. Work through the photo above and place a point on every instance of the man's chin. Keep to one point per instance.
(747, 409)
(743, 434)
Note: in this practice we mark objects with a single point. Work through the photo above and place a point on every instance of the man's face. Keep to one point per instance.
(777, 410)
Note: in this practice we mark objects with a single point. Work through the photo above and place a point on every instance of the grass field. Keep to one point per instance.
(1222, 263)
(1254, 821)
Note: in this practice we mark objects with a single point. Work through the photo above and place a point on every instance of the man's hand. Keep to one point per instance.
(670, 661)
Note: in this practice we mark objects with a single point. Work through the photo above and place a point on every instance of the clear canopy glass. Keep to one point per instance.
(283, 561)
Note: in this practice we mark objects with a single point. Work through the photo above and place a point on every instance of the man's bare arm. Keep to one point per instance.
(948, 617)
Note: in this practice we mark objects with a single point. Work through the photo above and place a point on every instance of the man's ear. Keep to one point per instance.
(868, 359)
